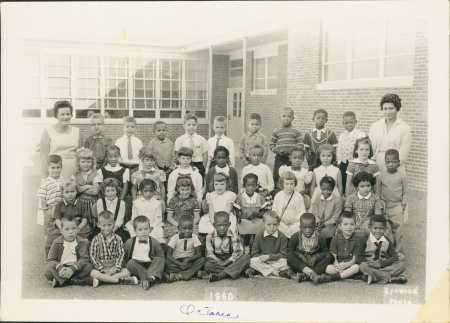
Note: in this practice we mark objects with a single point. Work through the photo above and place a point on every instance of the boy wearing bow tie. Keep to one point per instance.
(98, 142)
(143, 255)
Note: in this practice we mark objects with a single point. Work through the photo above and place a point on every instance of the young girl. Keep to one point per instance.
(184, 202)
(221, 199)
(150, 171)
(184, 156)
(87, 182)
(148, 205)
(222, 161)
(327, 207)
(325, 159)
(289, 205)
(109, 201)
(250, 210)
(362, 163)
(304, 177)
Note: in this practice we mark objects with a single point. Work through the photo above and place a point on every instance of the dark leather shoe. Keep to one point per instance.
(301, 277)
(360, 278)
(400, 279)
(324, 278)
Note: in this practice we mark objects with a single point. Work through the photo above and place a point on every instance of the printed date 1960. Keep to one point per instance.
(220, 294)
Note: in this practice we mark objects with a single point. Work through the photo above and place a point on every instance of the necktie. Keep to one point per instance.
(377, 251)
(191, 143)
(217, 142)
(143, 241)
(130, 149)
(185, 244)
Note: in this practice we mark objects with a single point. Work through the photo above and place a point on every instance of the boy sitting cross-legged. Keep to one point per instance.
(224, 250)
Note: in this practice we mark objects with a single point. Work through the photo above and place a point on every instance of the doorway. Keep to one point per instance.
(234, 112)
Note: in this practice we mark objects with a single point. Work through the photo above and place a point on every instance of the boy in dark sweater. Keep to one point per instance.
(376, 255)
(269, 249)
(308, 252)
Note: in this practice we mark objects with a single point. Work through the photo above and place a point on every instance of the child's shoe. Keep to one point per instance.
(246, 250)
(324, 278)
(401, 256)
(87, 281)
(369, 280)
(173, 277)
(361, 277)
(285, 273)
(128, 281)
(301, 277)
(400, 279)
(214, 277)
(315, 278)
(54, 283)
(95, 282)
(249, 273)
(200, 274)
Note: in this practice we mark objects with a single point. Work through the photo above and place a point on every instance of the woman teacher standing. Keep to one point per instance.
(391, 132)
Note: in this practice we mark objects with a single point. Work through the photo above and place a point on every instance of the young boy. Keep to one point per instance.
(49, 191)
(224, 251)
(283, 141)
(343, 248)
(220, 126)
(318, 136)
(106, 252)
(163, 147)
(194, 141)
(68, 259)
(376, 255)
(98, 142)
(347, 142)
(269, 249)
(251, 138)
(184, 254)
(129, 146)
(144, 257)
(308, 253)
(392, 188)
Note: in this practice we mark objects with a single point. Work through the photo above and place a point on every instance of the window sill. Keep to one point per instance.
(140, 121)
(264, 92)
(406, 81)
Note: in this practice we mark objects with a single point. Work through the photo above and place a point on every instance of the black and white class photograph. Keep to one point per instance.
(225, 161)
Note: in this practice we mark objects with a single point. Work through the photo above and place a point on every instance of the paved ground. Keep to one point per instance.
(35, 286)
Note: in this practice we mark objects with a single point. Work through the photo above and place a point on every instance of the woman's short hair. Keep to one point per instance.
(391, 98)
(60, 105)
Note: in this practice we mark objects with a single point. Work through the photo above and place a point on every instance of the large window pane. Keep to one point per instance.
(260, 84)
(336, 37)
(365, 69)
(400, 44)
(366, 31)
(399, 66)
(335, 72)
(272, 67)
(336, 53)
(260, 68)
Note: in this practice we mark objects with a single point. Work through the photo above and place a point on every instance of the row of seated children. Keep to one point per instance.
(305, 256)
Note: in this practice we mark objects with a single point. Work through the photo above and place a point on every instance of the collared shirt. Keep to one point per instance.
(270, 235)
(200, 145)
(217, 245)
(346, 145)
(106, 249)
(99, 147)
(265, 178)
(343, 248)
(73, 209)
(184, 248)
(50, 189)
(164, 151)
(250, 139)
(141, 251)
(303, 176)
(307, 243)
(196, 178)
(373, 239)
(69, 255)
(108, 167)
(86, 177)
(111, 207)
(364, 207)
(150, 208)
(136, 145)
(326, 136)
(225, 142)
(364, 197)
(225, 169)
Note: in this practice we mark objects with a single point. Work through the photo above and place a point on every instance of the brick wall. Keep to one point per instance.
(221, 64)
(304, 73)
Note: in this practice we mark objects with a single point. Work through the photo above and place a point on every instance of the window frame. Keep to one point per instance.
(266, 74)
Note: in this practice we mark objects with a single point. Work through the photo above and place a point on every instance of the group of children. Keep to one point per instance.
(175, 211)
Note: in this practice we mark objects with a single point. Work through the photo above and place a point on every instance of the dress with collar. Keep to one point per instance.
(320, 172)
(265, 177)
(154, 174)
(88, 201)
(249, 207)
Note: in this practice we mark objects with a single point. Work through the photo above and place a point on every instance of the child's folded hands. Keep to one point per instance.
(311, 262)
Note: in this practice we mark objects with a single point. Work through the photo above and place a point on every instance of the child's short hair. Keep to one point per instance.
(129, 119)
(68, 219)
(220, 119)
(189, 116)
(110, 182)
(391, 98)
(185, 151)
(288, 109)
(255, 116)
(221, 148)
(286, 176)
(392, 152)
(147, 182)
(69, 183)
(147, 152)
(248, 177)
(307, 216)
(85, 153)
(184, 181)
(111, 149)
(157, 123)
(271, 214)
(365, 141)
(140, 219)
(221, 177)
(318, 162)
(320, 111)
(54, 159)
(221, 214)
(378, 218)
(349, 114)
(97, 116)
(60, 105)
(297, 149)
(363, 177)
(106, 215)
(256, 146)
(346, 215)
(328, 180)
(185, 218)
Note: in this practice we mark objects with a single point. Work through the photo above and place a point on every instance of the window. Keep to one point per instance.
(236, 68)
(370, 50)
(114, 86)
(265, 75)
